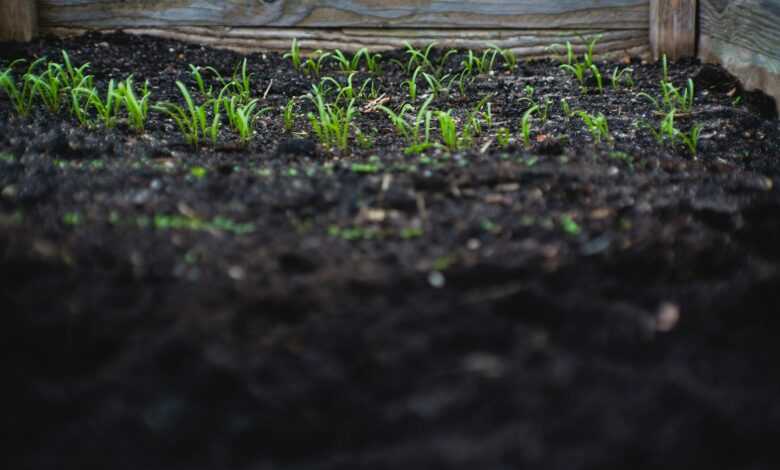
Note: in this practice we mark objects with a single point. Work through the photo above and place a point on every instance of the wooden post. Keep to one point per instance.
(673, 28)
(18, 20)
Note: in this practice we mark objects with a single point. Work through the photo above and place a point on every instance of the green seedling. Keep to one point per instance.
(332, 122)
(373, 61)
(525, 126)
(441, 64)
(411, 131)
(509, 57)
(589, 54)
(294, 55)
(487, 115)
(345, 64)
(137, 109)
(482, 111)
(346, 92)
(107, 109)
(313, 65)
(570, 56)
(691, 139)
(463, 80)
(418, 58)
(577, 70)
(241, 82)
(597, 75)
(289, 115)
(684, 99)
(73, 77)
(435, 85)
(622, 76)
(672, 98)
(569, 225)
(241, 117)
(200, 82)
(448, 130)
(483, 64)
(411, 83)
(22, 97)
(49, 86)
(503, 137)
(80, 102)
(668, 132)
(542, 107)
(192, 119)
(372, 92)
(597, 126)
(364, 141)
(566, 108)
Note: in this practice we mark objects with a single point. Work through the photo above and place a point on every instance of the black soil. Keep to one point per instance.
(571, 306)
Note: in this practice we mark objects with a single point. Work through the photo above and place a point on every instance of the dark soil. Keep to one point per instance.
(575, 306)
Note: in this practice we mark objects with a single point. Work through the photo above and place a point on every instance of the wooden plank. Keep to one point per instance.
(525, 43)
(673, 28)
(519, 14)
(744, 37)
(18, 20)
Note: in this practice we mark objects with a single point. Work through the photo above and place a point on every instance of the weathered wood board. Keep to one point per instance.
(18, 20)
(516, 14)
(673, 28)
(744, 37)
(526, 43)
(528, 27)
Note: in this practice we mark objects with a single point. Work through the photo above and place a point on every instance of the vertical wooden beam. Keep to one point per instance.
(18, 20)
(673, 28)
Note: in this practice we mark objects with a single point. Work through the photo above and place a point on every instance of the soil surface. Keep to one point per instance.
(570, 306)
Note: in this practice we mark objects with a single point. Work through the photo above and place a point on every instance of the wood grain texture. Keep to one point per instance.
(673, 28)
(519, 14)
(526, 43)
(744, 37)
(18, 20)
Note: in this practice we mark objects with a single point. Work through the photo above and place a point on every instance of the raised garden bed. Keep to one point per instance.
(550, 302)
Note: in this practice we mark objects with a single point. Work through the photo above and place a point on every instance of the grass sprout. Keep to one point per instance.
(509, 57)
(525, 125)
(479, 65)
(289, 114)
(411, 83)
(597, 126)
(80, 102)
(49, 86)
(503, 137)
(448, 130)
(331, 123)
(294, 55)
(107, 109)
(241, 117)
(435, 85)
(622, 76)
(667, 132)
(137, 108)
(21, 96)
(313, 65)
(410, 131)
(345, 64)
(200, 82)
(73, 77)
(192, 119)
